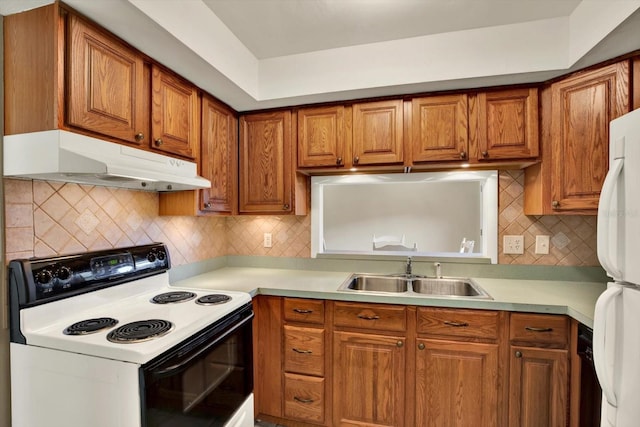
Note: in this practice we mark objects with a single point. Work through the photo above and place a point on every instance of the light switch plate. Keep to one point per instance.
(266, 241)
(513, 245)
(542, 245)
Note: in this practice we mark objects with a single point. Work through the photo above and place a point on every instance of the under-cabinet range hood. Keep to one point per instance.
(59, 155)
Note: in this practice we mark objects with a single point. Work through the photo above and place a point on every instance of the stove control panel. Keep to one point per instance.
(38, 280)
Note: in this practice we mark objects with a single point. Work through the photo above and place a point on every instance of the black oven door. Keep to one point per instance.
(202, 381)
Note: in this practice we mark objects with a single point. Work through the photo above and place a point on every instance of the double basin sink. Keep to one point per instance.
(448, 287)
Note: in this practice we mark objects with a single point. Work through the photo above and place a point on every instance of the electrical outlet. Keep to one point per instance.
(513, 245)
(266, 241)
(542, 245)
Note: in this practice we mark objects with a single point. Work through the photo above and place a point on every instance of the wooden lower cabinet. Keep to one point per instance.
(456, 384)
(368, 379)
(538, 387)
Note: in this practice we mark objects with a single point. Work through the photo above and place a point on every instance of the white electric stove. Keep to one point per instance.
(102, 339)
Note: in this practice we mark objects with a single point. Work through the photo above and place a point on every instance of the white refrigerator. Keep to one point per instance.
(616, 332)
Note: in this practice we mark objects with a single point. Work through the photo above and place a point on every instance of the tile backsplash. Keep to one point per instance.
(46, 218)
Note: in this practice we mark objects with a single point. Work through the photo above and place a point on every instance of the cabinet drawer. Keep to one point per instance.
(304, 398)
(304, 310)
(304, 350)
(458, 323)
(371, 316)
(540, 329)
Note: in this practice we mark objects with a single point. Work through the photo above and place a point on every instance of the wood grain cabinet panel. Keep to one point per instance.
(219, 157)
(304, 350)
(106, 91)
(380, 317)
(538, 387)
(378, 133)
(175, 117)
(304, 398)
(508, 124)
(456, 384)
(265, 162)
(458, 323)
(439, 128)
(369, 379)
(321, 136)
(302, 310)
(576, 113)
(636, 83)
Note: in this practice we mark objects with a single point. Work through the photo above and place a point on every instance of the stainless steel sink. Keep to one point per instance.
(410, 285)
(455, 287)
(372, 283)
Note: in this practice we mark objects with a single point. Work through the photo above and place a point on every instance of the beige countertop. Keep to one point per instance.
(575, 299)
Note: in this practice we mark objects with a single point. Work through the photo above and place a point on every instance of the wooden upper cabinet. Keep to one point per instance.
(268, 183)
(321, 136)
(219, 157)
(175, 118)
(106, 90)
(439, 128)
(636, 83)
(576, 113)
(378, 133)
(508, 124)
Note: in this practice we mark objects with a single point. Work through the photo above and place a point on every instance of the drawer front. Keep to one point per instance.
(304, 350)
(304, 310)
(304, 398)
(371, 316)
(543, 329)
(458, 323)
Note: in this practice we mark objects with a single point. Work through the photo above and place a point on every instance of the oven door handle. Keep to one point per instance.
(170, 370)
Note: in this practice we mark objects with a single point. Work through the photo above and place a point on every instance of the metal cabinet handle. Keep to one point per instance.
(455, 324)
(207, 205)
(555, 204)
(399, 344)
(356, 160)
(302, 400)
(532, 329)
(485, 154)
(463, 155)
(421, 346)
(285, 207)
(139, 136)
(159, 142)
(518, 354)
(297, 350)
(339, 161)
(365, 317)
(302, 311)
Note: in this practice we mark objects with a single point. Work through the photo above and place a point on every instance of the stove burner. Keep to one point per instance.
(142, 330)
(171, 297)
(90, 326)
(212, 299)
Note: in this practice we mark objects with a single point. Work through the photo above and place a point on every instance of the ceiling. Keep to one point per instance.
(256, 54)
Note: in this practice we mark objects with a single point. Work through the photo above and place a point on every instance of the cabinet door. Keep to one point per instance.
(377, 133)
(456, 384)
(508, 124)
(106, 91)
(219, 157)
(582, 107)
(538, 387)
(321, 136)
(369, 380)
(439, 128)
(175, 115)
(265, 163)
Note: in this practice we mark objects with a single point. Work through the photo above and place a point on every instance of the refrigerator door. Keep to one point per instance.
(619, 207)
(616, 349)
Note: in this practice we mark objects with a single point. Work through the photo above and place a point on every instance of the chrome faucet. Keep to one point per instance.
(438, 270)
(407, 268)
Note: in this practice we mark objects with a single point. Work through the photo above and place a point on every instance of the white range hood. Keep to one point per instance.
(58, 155)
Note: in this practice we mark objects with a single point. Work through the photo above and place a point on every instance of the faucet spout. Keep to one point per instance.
(407, 268)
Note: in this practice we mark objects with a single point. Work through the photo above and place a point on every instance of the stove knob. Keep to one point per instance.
(161, 255)
(43, 277)
(63, 273)
(151, 257)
